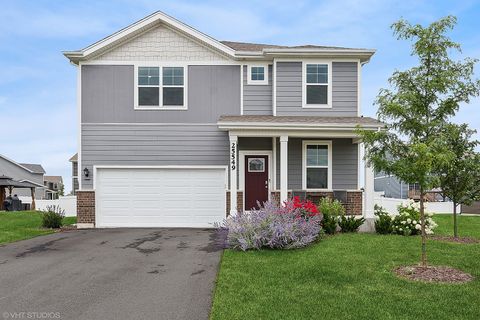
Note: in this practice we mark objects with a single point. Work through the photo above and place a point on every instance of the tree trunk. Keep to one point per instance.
(455, 226)
(422, 221)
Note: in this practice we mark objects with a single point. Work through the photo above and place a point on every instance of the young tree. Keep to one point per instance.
(417, 106)
(460, 177)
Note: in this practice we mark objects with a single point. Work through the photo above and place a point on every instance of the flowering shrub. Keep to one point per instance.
(407, 222)
(331, 210)
(383, 224)
(293, 225)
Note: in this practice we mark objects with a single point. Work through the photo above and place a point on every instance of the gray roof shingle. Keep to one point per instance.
(300, 120)
(37, 168)
(247, 46)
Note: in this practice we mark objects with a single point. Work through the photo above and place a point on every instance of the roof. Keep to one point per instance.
(35, 168)
(248, 46)
(230, 49)
(32, 168)
(54, 179)
(74, 158)
(300, 120)
(9, 182)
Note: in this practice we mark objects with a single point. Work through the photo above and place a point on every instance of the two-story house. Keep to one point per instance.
(177, 129)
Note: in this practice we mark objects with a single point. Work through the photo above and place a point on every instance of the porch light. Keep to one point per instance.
(86, 172)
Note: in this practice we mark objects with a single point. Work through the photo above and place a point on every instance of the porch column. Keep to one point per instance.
(233, 174)
(283, 168)
(369, 192)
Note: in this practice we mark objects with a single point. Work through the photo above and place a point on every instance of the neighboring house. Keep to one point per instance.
(391, 186)
(74, 161)
(178, 129)
(23, 172)
(53, 186)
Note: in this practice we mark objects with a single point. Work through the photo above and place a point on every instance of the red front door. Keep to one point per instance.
(256, 181)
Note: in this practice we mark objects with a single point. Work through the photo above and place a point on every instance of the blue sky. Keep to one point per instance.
(38, 117)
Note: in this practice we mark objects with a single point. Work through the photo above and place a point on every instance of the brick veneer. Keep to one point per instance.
(353, 206)
(86, 207)
(239, 201)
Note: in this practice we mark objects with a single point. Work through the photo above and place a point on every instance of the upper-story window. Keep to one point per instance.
(160, 88)
(257, 74)
(317, 85)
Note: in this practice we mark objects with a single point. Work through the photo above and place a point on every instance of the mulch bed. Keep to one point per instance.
(437, 274)
(453, 239)
(67, 228)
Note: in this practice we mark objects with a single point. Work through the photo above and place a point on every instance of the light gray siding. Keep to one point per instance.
(344, 164)
(344, 90)
(15, 172)
(154, 144)
(108, 96)
(257, 99)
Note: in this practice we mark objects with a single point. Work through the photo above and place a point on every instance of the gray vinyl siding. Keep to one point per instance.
(154, 144)
(344, 164)
(108, 95)
(344, 90)
(257, 99)
(391, 186)
(17, 173)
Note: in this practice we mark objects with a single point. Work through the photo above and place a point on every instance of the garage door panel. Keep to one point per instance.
(160, 197)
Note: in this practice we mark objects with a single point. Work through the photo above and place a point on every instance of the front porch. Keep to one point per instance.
(275, 161)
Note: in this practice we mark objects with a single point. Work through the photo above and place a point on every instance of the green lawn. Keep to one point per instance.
(349, 276)
(22, 225)
(468, 226)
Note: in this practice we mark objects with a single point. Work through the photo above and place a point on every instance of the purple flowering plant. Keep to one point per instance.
(272, 226)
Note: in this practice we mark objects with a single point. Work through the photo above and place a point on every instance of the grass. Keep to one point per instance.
(21, 225)
(468, 226)
(349, 276)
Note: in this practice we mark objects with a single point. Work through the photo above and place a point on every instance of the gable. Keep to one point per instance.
(161, 43)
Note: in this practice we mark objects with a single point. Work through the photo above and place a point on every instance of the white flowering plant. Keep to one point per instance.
(407, 222)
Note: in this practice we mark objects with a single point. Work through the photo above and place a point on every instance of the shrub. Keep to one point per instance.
(383, 224)
(273, 226)
(350, 223)
(53, 217)
(407, 222)
(331, 210)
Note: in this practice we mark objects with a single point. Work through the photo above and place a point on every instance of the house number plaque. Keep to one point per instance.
(233, 160)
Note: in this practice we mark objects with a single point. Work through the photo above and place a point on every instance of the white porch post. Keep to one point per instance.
(283, 168)
(233, 174)
(368, 205)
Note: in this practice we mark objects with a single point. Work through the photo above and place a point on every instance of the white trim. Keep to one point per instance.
(265, 74)
(269, 125)
(137, 62)
(359, 164)
(359, 89)
(274, 162)
(150, 123)
(106, 166)
(145, 23)
(305, 143)
(283, 168)
(233, 164)
(241, 170)
(160, 86)
(328, 84)
(274, 85)
(241, 89)
(79, 124)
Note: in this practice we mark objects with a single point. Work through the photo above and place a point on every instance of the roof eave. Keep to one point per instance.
(294, 126)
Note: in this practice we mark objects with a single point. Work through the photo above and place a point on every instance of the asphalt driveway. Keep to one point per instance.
(111, 274)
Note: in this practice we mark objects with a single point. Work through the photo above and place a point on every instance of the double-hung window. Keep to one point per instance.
(317, 166)
(257, 74)
(160, 87)
(316, 85)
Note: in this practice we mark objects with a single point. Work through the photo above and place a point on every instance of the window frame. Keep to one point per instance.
(161, 107)
(257, 82)
(328, 63)
(306, 143)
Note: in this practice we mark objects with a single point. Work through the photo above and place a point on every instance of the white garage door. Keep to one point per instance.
(160, 197)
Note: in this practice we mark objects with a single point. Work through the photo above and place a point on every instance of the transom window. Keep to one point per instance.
(317, 166)
(316, 88)
(167, 93)
(257, 74)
